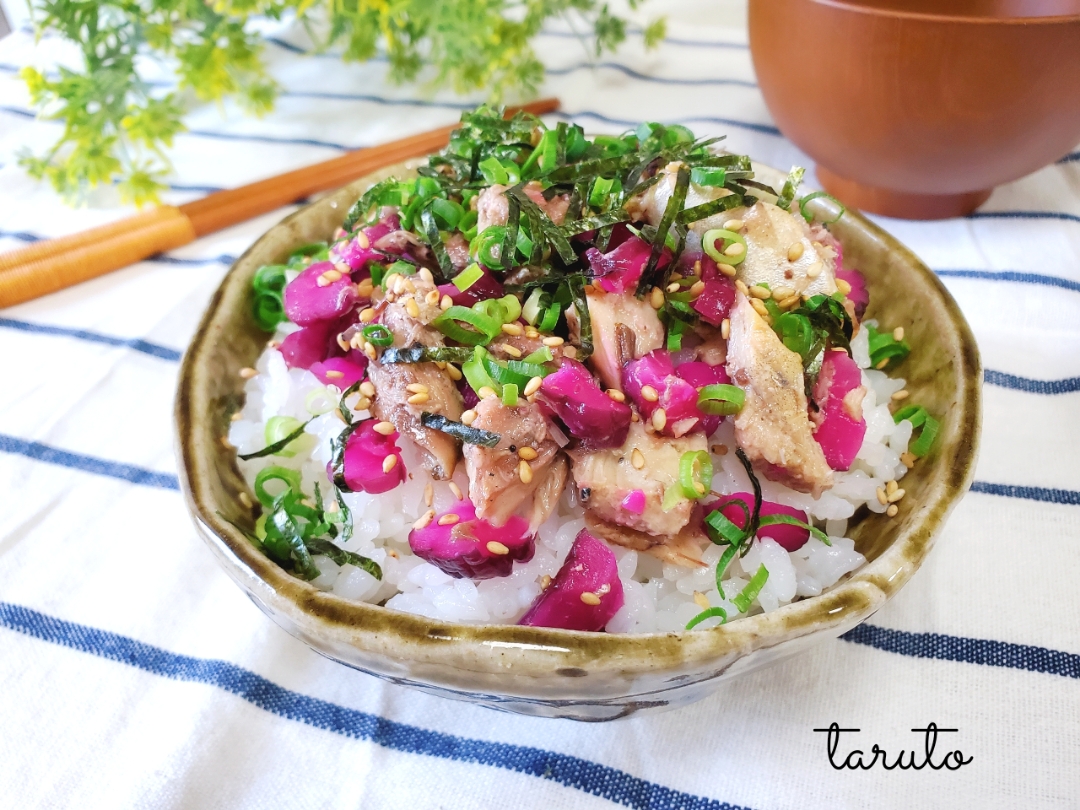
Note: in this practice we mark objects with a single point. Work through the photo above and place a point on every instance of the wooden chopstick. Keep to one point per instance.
(54, 264)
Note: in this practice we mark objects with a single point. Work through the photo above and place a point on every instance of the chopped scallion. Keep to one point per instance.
(721, 399)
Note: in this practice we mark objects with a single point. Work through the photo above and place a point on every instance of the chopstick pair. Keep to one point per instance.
(55, 264)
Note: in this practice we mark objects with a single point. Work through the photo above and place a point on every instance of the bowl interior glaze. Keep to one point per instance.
(589, 676)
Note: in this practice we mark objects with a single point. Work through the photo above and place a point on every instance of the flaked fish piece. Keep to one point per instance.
(773, 428)
(646, 462)
(624, 328)
(499, 486)
(771, 235)
(781, 253)
(683, 549)
(428, 386)
(492, 207)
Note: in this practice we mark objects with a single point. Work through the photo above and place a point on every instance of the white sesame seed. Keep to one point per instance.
(453, 371)
(533, 385)
(892, 510)
(334, 375)
(248, 372)
(649, 394)
(843, 286)
(389, 463)
(882, 497)
(898, 333)
(412, 308)
(734, 225)
(815, 270)
(673, 287)
(362, 240)
(897, 496)
(764, 293)
(659, 419)
(725, 328)
(590, 598)
(454, 488)
(446, 303)
(553, 341)
(740, 285)
(513, 329)
(495, 547)
(734, 249)
(899, 395)
(468, 417)
(383, 428)
(486, 392)
(525, 472)
(425, 519)
(416, 388)
(448, 520)
(637, 458)
(795, 251)
(616, 394)
(513, 351)
(418, 399)
(245, 499)
(367, 388)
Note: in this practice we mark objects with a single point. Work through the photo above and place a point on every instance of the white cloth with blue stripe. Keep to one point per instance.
(133, 673)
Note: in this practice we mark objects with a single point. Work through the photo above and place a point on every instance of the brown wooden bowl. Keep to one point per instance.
(918, 108)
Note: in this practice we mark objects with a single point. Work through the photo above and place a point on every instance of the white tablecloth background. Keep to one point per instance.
(133, 673)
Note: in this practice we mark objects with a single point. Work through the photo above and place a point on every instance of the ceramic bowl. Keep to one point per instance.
(558, 673)
(918, 108)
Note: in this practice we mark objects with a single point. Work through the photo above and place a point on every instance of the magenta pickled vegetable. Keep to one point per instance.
(859, 295)
(366, 468)
(361, 249)
(585, 594)
(619, 270)
(718, 297)
(487, 286)
(673, 389)
(341, 371)
(791, 538)
(312, 296)
(838, 393)
(305, 347)
(471, 547)
(590, 415)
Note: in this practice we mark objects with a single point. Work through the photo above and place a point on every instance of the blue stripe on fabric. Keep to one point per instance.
(644, 77)
(1067, 385)
(1013, 275)
(573, 772)
(1058, 215)
(1073, 157)
(967, 650)
(1067, 497)
(22, 236)
(137, 344)
(690, 43)
(90, 464)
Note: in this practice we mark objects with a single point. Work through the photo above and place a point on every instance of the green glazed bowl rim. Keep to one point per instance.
(349, 631)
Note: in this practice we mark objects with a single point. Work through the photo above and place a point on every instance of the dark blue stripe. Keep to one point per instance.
(644, 77)
(89, 464)
(1073, 157)
(22, 236)
(138, 344)
(968, 650)
(1013, 275)
(573, 772)
(1068, 385)
(1059, 215)
(1067, 497)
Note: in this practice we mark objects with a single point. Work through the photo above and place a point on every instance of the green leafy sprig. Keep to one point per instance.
(118, 127)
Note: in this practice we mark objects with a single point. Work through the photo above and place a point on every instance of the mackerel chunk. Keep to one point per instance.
(773, 428)
(624, 328)
(392, 380)
(770, 233)
(495, 484)
(604, 479)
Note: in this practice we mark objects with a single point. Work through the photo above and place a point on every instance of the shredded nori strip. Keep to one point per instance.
(343, 557)
(470, 435)
(434, 241)
(577, 226)
(427, 354)
(541, 227)
(755, 517)
(674, 206)
(576, 285)
(513, 223)
(791, 186)
(708, 209)
(276, 446)
(759, 186)
(337, 456)
(368, 199)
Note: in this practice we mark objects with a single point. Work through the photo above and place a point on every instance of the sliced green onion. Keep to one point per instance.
(721, 567)
(534, 305)
(919, 418)
(447, 213)
(602, 188)
(721, 399)
(492, 308)
(748, 594)
(541, 355)
(476, 373)
(695, 473)
(268, 310)
(467, 277)
(378, 335)
(494, 171)
(470, 435)
(675, 335)
(487, 246)
(510, 395)
(269, 278)
(311, 401)
(713, 176)
(512, 306)
(284, 433)
(724, 528)
(709, 613)
(467, 225)
(884, 348)
(401, 268)
(726, 238)
(788, 520)
(378, 273)
(291, 478)
(483, 329)
(795, 332)
(809, 217)
(550, 319)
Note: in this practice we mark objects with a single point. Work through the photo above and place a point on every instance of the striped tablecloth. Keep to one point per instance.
(133, 673)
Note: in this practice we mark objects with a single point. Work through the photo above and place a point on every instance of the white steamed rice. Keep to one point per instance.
(659, 597)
